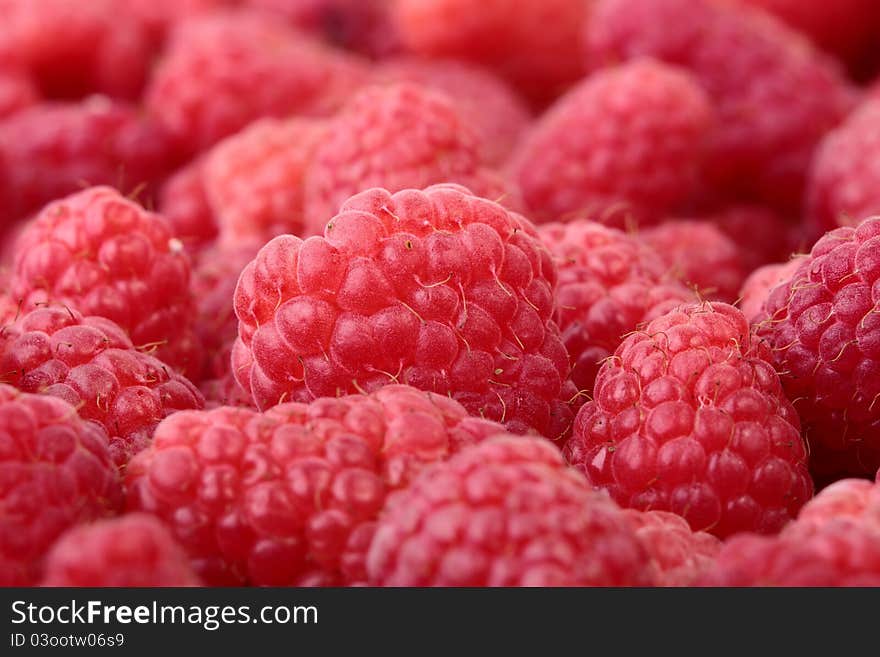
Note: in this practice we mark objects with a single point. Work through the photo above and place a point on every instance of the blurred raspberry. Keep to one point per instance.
(757, 287)
(17, 90)
(858, 499)
(184, 202)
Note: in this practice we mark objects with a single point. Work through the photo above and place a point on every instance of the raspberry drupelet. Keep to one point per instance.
(437, 289)
(506, 512)
(56, 471)
(90, 363)
(104, 255)
(690, 417)
(290, 495)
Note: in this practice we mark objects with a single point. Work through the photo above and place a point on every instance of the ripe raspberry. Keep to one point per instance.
(641, 164)
(224, 71)
(843, 186)
(254, 179)
(50, 150)
(76, 48)
(494, 111)
(17, 91)
(507, 512)
(133, 550)
(437, 289)
(823, 327)
(775, 99)
(324, 471)
(760, 283)
(690, 417)
(701, 255)
(90, 363)
(858, 499)
(680, 556)
(609, 283)
(104, 255)
(56, 472)
(159, 16)
(396, 137)
(535, 46)
(183, 201)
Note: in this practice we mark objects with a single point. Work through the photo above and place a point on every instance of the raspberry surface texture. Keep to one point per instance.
(757, 287)
(437, 289)
(184, 202)
(690, 417)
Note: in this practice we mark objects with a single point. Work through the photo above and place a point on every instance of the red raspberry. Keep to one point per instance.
(858, 499)
(534, 45)
(701, 255)
(323, 471)
(134, 550)
(224, 71)
(680, 556)
(823, 327)
(507, 512)
(104, 255)
(56, 472)
(17, 91)
(184, 202)
(90, 363)
(642, 163)
(760, 283)
(50, 150)
(74, 48)
(254, 179)
(843, 186)
(609, 283)
(396, 137)
(438, 289)
(159, 16)
(775, 98)
(494, 111)
(690, 417)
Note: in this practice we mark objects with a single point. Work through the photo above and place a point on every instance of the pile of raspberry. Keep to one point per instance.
(439, 293)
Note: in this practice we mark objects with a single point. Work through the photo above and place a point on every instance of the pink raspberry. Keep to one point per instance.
(254, 179)
(396, 137)
(224, 71)
(133, 550)
(159, 16)
(506, 512)
(774, 99)
(324, 471)
(609, 283)
(184, 202)
(438, 289)
(843, 186)
(701, 255)
(90, 363)
(858, 499)
(494, 111)
(680, 556)
(642, 163)
(689, 417)
(534, 45)
(50, 150)
(56, 472)
(17, 90)
(76, 48)
(760, 283)
(104, 255)
(823, 328)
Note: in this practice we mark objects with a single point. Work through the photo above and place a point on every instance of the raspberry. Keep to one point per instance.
(535, 46)
(689, 417)
(506, 512)
(254, 179)
(760, 283)
(184, 202)
(823, 327)
(56, 472)
(396, 137)
(494, 111)
(609, 283)
(324, 471)
(224, 71)
(50, 150)
(159, 16)
(761, 235)
(701, 255)
(74, 48)
(133, 550)
(17, 91)
(104, 255)
(438, 289)
(679, 555)
(842, 188)
(775, 99)
(643, 162)
(90, 363)
(858, 499)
